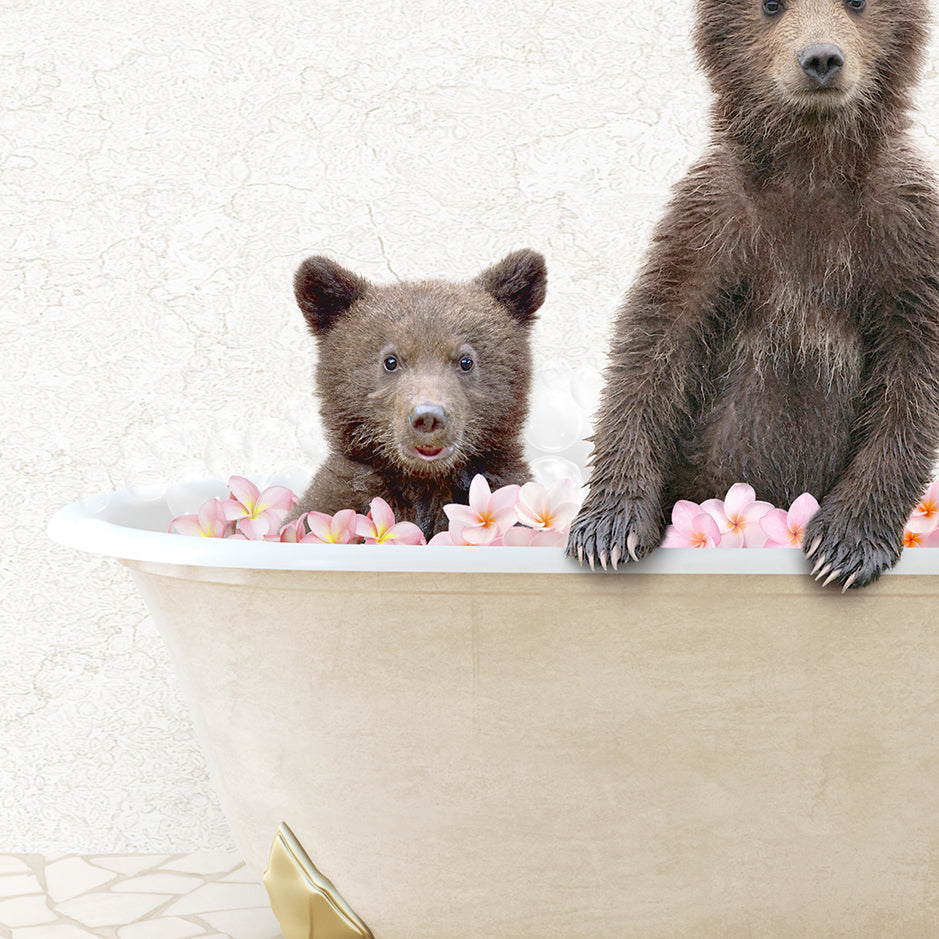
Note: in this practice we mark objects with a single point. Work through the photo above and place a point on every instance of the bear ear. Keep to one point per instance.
(325, 290)
(518, 282)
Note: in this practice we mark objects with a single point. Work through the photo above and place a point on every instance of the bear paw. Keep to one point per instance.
(610, 532)
(848, 551)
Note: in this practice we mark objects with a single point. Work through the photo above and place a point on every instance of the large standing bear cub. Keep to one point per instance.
(784, 330)
(422, 385)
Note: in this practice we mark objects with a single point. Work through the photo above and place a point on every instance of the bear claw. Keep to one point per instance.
(614, 536)
(632, 540)
(831, 576)
(848, 552)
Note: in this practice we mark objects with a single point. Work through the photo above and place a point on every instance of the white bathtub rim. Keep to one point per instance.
(105, 525)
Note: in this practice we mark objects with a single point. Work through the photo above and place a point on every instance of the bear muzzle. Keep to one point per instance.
(821, 62)
(429, 418)
(428, 423)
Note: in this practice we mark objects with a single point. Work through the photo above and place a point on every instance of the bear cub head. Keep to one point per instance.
(424, 383)
(781, 67)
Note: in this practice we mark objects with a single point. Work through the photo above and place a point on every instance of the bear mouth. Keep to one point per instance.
(431, 454)
(822, 101)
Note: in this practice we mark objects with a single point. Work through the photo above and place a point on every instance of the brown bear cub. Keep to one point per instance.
(784, 330)
(421, 385)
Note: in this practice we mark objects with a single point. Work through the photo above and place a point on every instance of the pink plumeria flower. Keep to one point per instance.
(521, 537)
(454, 536)
(547, 509)
(331, 529)
(914, 539)
(691, 527)
(380, 527)
(925, 517)
(248, 502)
(488, 515)
(683, 513)
(442, 537)
(787, 529)
(738, 517)
(920, 539)
(210, 522)
(450, 540)
(254, 529)
(294, 532)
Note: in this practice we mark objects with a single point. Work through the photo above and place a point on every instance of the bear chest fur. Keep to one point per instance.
(787, 359)
(784, 384)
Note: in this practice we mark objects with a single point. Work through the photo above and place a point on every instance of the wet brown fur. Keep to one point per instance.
(428, 328)
(784, 330)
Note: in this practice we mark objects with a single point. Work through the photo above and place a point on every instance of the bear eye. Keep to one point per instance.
(856, 5)
(772, 7)
(466, 363)
(390, 363)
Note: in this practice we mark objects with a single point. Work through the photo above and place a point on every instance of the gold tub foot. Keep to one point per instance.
(306, 904)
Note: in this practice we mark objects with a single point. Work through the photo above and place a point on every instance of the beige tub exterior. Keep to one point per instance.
(551, 753)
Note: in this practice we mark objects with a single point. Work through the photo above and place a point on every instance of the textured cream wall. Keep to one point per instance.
(163, 167)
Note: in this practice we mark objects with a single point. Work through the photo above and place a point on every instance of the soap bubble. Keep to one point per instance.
(586, 387)
(188, 498)
(97, 483)
(143, 467)
(96, 503)
(555, 422)
(224, 448)
(549, 470)
(265, 441)
(312, 444)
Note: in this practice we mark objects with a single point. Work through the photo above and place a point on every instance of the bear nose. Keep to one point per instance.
(428, 418)
(821, 62)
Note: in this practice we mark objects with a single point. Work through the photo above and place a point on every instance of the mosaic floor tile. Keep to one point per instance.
(105, 909)
(194, 896)
(213, 897)
(72, 876)
(242, 875)
(26, 911)
(203, 862)
(175, 884)
(53, 932)
(166, 927)
(16, 885)
(245, 924)
(129, 864)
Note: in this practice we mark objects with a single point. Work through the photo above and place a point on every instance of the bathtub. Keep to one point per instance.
(490, 743)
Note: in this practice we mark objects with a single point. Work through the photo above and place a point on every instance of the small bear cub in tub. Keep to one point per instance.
(421, 385)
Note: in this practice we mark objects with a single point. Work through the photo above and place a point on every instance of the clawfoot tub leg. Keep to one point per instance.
(306, 904)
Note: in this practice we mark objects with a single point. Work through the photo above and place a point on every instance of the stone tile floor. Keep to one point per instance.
(120, 896)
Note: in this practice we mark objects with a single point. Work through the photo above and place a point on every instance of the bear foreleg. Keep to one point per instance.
(655, 358)
(857, 532)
